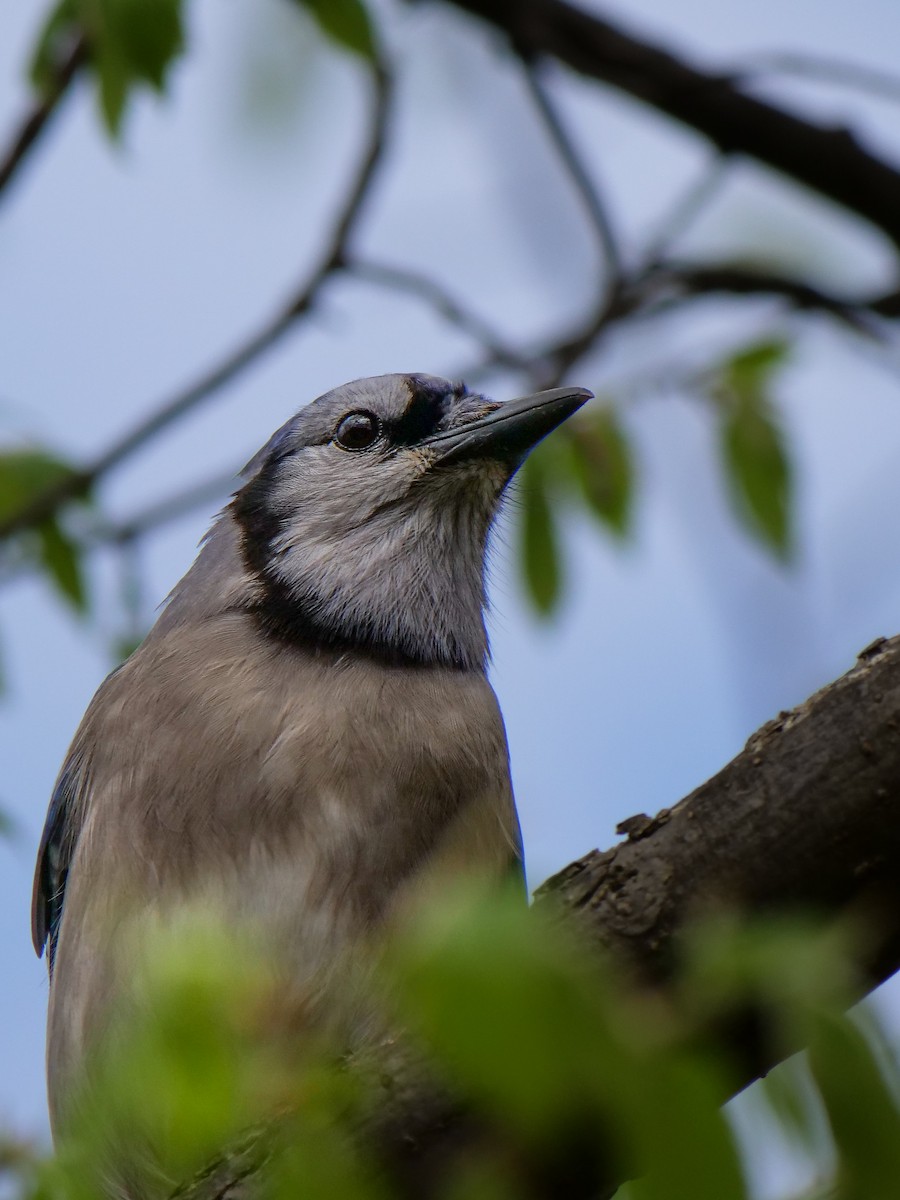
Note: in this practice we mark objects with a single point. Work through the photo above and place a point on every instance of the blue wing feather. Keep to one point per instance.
(54, 857)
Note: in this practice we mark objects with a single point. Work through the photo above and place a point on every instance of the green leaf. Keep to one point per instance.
(9, 827)
(123, 647)
(346, 22)
(132, 43)
(792, 1098)
(861, 1108)
(147, 34)
(759, 471)
(755, 364)
(604, 467)
(113, 83)
(691, 1154)
(530, 1027)
(57, 31)
(753, 447)
(25, 474)
(540, 555)
(507, 1006)
(61, 558)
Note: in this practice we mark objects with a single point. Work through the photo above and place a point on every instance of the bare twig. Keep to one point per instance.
(130, 530)
(165, 511)
(837, 71)
(428, 290)
(698, 280)
(37, 117)
(171, 409)
(687, 208)
(828, 159)
(656, 289)
(584, 185)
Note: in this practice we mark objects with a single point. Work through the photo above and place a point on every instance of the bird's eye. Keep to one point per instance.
(357, 431)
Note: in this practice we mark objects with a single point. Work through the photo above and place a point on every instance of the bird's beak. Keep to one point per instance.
(510, 431)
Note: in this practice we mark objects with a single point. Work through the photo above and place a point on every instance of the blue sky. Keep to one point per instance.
(126, 270)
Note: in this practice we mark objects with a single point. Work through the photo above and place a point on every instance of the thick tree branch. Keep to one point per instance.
(830, 160)
(804, 818)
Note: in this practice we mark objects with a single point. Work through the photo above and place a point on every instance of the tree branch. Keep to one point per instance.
(172, 408)
(804, 818)
(830, 160)
(38, 116)
(430, 292)
(698, 279)
(593, 202)
(837, 72)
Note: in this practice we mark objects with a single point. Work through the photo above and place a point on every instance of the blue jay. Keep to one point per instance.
(307, 736)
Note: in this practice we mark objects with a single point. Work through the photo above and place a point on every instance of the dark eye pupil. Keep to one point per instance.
(357, 431)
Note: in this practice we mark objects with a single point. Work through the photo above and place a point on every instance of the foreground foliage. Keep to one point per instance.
(552, 1049)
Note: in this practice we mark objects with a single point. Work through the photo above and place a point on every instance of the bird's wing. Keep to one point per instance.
(64, 819)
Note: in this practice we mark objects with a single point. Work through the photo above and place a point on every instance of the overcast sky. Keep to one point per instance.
(126, 270)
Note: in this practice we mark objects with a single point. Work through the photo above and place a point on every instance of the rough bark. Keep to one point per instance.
(806, 816)
(828, 159)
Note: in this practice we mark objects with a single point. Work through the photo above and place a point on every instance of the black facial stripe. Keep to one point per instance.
(258, 523)
(423, 414)
(282, 615)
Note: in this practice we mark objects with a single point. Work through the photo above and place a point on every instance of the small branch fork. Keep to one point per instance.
(594, 203)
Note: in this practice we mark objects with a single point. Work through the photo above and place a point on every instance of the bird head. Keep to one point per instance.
(365, 518)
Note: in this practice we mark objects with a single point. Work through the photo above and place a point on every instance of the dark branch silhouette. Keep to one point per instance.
(829, 160)
(37, 118)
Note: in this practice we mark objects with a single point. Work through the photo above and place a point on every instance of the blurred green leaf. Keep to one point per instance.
(540, 555)
(603, 465)
(123, 647)
(61, 558)
(861, 1110)
(691, 1154)
(132, 42)
(754, 451)
(56, 33)
(25, 475)
(530, 1027)
(321, 1161)
(113, 79)
(8, 827)
(501, 1003)
(574, 1066)
(755, 364)
(346, 22)
(792, 1098)
(147, 34)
